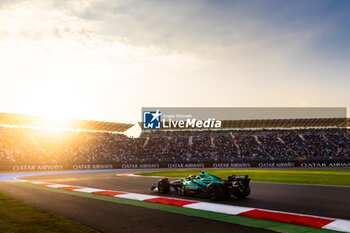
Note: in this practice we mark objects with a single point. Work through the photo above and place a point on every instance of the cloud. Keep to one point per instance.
(236, 34)
(40, 45)
(43, 34)
(199, 53)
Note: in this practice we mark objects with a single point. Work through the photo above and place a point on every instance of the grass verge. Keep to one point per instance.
(16, 216)
(324, 177)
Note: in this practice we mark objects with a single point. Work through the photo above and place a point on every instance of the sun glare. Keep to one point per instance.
(54, 99)
(54, 122)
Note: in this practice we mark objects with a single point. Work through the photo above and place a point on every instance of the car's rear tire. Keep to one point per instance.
(216, 191)
(241, 192)
(163, 186)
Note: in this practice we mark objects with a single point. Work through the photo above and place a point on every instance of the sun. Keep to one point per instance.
(55, 99)
(54, 120)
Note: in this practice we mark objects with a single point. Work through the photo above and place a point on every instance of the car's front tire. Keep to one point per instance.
(163, 186)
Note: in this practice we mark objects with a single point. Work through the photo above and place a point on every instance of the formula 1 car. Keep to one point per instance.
(206, 185)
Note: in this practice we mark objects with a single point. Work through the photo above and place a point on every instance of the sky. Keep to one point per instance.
(106, 59)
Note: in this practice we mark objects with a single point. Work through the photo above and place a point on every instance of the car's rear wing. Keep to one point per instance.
(244, 179)
(239, 177)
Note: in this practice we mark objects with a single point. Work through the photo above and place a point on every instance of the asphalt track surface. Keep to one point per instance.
(316, 200)
(114, 217)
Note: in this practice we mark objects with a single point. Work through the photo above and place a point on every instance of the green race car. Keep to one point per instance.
(207, 185)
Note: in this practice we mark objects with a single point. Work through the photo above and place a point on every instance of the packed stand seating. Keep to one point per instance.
(340, 140)
(38, 146)
(274, 147)
(225, 147)
(201, 148)
(249, 147)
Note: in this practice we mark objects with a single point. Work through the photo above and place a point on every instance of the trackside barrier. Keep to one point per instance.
(199, 165)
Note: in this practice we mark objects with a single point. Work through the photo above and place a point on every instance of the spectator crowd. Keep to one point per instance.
(39, 146)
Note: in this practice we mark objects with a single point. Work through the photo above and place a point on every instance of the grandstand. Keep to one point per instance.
(11, 119)
(292, 141)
